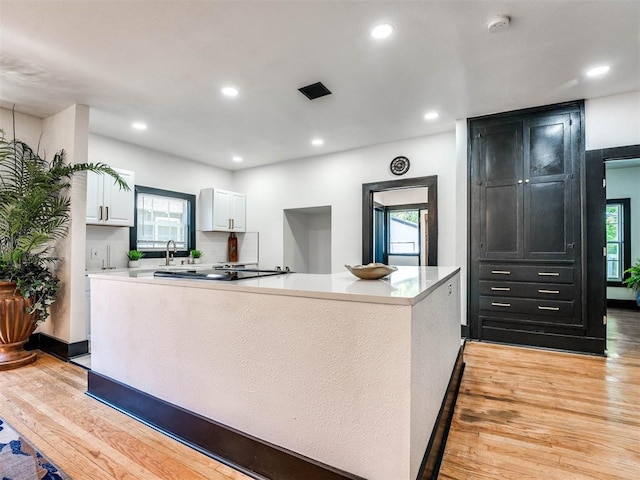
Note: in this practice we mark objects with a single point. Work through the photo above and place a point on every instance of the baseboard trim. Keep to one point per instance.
(248, 454)
(56, 347)
(430, 466)
(626, 304)
(567, 343)
(464, 331)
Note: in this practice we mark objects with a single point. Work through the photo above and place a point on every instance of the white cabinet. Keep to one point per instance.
(107, 204)
(221, 210)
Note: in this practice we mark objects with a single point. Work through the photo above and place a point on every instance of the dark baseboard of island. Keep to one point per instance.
(55, 347)
(248, 454)
(435, 450)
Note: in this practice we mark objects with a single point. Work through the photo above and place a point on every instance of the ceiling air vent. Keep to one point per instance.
(315, 90)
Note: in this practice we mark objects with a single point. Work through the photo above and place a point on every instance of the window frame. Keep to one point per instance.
(387, 218)
(191, 237)
(626, 238)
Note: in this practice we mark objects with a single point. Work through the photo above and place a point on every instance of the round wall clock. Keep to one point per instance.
(399, 165)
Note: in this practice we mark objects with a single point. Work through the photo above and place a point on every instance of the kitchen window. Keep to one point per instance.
(161, 216)
(618, 231)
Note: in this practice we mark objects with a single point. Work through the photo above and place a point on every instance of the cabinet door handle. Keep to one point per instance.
(498, 304)
(100, 214)
(548, 274)
(501, 272)
(519, 181)
(554, 309)
(555, 292)
(107, 209)
(233, 224)
(526, 181)
(500, 289)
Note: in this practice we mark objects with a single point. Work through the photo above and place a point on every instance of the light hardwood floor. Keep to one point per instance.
(88, 440)
(521, 414)
(534, 414)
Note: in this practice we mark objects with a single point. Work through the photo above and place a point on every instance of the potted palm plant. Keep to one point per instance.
(34, 214)
(633, 280)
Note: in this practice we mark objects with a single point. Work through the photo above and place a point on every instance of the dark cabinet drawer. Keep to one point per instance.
(526, 306)
(545, 291)
(526, 273)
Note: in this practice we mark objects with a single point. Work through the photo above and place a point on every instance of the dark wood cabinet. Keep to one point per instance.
(526, 260)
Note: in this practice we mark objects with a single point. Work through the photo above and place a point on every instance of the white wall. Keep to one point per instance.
(307, 240)
(28, 128)
(336, 180)
(402, 196)
(625, 183)
(157, 170)
(612, 121)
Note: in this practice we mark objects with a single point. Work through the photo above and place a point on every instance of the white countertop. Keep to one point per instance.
(406, 286)
(152, 267)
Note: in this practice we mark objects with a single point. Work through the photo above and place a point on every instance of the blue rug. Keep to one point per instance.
(19, 460)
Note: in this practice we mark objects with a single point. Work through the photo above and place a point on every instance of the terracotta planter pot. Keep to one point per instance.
(15, 328)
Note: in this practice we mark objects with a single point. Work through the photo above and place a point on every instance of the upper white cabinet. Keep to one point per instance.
(107, 204)
(222, 210)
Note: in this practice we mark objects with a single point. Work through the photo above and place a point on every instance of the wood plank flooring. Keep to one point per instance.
(534, 414)
(521, 414)
(91, 441)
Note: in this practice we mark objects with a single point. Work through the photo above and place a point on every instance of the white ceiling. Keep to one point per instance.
(164, 62)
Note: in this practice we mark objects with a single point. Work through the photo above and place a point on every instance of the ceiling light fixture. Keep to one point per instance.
(237, 159)
(431, 115)
(597, 71)
(139, 125)
(317, 142)
(382, 31)
(230, 91)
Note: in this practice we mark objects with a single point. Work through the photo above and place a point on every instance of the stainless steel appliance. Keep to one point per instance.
(220, 274)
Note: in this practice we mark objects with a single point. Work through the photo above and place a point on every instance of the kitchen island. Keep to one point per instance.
(295, 376)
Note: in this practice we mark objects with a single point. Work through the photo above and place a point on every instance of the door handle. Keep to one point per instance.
(107, 209)
(100, 213)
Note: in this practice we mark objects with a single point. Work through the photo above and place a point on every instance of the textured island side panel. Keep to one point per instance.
(324, 378)
(435, 343)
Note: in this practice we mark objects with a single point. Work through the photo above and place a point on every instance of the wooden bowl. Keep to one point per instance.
(372, 271)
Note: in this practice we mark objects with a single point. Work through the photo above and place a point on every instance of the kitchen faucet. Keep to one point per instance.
(169, 257)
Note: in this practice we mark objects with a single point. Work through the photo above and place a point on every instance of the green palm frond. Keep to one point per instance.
(35, 212)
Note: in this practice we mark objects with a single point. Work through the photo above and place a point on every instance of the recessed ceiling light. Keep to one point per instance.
(237, 159)
(230, 91)
(317, 142)
(382, 31)
(597, 71)
(431, 115)
(139, 125)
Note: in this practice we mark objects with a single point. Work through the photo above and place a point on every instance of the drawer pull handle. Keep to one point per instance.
(501, 272)
(554, 309)
(498, 304)
(500, 289)
(555, 292)
(548, 274)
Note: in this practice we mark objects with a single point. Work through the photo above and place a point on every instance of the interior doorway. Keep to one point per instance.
(596, 207)
(399, 222)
